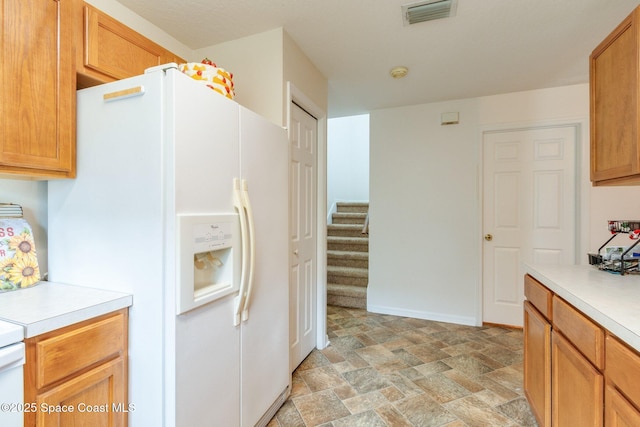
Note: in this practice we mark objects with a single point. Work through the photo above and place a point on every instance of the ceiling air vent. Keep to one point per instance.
(427, 11)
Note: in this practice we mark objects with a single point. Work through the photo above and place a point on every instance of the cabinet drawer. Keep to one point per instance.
(77, 347)
(585, 335)
(623, 369)
(538, 295)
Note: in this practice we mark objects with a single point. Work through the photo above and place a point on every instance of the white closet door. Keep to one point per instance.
(529, 212)
(302, 266)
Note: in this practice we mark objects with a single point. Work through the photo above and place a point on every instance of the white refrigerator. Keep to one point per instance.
(181, 199)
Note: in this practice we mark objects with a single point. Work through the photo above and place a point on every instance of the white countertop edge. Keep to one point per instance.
(63, 320)
(65, 305)
(589, 308)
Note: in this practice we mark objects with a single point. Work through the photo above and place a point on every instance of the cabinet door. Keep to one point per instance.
(614, 111)
(113, 51)
(95, 398)
(37, 84)
(623, 368)
(537, 364)
(577, 387)
(618, 412)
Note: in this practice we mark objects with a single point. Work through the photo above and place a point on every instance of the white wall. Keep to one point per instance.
(257, 65)
(348, 159)
(303, 74)
(611, 203)
(262, 65)
(32, 196)
(425, 211)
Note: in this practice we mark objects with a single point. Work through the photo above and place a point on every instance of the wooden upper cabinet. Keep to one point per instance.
(112, 51)
(37, 98)
(614, 86)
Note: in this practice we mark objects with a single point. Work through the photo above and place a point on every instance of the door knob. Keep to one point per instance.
(488, 237)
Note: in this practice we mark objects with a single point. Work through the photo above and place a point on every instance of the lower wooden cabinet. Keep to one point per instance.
(537, 361)
(94, 398)
(622, 395)
(584, 334)
(576, 373)
(618, 411)
(563, 361)
(576, 387)
(78, 375)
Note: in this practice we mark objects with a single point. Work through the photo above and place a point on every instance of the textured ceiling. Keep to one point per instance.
(488, 47)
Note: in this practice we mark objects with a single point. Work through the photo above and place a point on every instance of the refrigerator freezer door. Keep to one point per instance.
(105, 228)
(207, 151)
(265, 334)
(207, 368)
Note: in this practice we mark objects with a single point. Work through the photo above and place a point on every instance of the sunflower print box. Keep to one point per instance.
(18, 260)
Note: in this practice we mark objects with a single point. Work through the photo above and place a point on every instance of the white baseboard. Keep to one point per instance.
(417, 314)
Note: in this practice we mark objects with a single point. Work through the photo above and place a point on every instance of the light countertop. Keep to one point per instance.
(48, 306)
(611, 300)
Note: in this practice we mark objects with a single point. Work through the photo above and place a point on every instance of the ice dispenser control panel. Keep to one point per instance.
(213, 236)
(208, 252)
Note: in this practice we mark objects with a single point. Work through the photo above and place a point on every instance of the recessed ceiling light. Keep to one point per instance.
(399, 72)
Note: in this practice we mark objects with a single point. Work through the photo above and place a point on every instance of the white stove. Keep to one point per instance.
(11, 375)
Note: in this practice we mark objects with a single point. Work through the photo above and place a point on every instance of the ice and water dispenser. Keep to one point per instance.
(209, 259)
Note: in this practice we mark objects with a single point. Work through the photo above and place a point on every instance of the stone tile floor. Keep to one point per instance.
(382, 370)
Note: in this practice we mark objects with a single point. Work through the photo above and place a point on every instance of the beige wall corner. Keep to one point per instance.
(304, 75)
(257, 65)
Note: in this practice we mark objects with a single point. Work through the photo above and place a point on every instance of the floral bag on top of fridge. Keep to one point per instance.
(18, 260)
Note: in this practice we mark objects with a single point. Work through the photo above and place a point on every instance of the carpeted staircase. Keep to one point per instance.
(348, 256)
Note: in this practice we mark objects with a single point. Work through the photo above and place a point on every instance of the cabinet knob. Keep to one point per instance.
(488, 237)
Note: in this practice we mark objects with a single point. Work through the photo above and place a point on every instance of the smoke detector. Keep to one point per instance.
(428, 10)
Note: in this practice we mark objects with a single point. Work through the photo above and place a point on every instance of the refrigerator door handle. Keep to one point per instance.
(252, 249)
(123, 94)
(238, 204)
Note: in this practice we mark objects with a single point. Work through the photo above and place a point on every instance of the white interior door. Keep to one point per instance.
(529, 202)
(303, 269)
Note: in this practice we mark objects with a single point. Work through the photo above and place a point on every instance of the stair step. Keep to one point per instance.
(352, 244)
(348, 256)
(352, 207)
(346, 296)
(345, 230)
(346, 290)
(348, 218)
(348, 259)
(348, 276)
